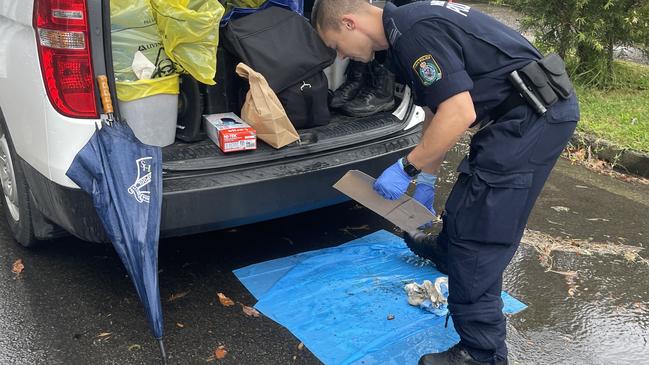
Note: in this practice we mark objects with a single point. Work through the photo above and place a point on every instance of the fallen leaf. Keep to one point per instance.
(300, 346)
(348, 229)
(571, 291)
(177, 296)
(390, 317)
(104, 334)
(134, 347)
(250, 311)
(180, 325)
(225, 301)
(18, 267)
(570, 276)
(220, 352)
(599, 165)
(631, 256)
(560, 208)
(364, 227)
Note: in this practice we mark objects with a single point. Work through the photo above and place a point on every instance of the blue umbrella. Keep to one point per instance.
(124, 178)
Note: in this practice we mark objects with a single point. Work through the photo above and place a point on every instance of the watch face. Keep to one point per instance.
(410, 170)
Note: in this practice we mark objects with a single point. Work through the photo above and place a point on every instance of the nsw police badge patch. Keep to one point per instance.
(427, 69)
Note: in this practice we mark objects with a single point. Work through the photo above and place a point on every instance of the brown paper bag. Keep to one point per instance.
(263, 111)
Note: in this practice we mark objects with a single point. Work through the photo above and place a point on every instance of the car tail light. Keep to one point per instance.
(64, 49)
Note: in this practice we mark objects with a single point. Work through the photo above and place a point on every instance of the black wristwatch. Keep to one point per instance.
(409, 168)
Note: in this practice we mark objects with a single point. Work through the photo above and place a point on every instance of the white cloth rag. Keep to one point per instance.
(419, 293)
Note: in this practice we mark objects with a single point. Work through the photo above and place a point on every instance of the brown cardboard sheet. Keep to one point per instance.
(405, 212)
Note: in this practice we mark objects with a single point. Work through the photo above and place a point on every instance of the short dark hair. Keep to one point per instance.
(326, 14)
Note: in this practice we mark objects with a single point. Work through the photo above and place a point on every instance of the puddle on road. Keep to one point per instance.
(588, 302)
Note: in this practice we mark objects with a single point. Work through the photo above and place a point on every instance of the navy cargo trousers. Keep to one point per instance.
(486, 213)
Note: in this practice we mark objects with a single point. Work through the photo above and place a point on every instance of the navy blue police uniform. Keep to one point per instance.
(441, 49)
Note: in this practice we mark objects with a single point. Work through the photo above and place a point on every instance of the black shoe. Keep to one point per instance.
(426, 246)
(376, 96)
(357, 73)
(456, 355)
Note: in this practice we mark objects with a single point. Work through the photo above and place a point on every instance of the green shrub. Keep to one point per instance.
(586, 32)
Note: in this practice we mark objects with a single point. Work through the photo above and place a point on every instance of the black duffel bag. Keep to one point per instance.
(282, 46)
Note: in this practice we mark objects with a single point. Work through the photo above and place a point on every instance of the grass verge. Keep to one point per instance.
(620, 113)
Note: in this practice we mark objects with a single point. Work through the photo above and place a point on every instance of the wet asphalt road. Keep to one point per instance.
(74, 304)
(71, 292)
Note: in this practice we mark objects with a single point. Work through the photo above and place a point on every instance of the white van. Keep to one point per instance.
(50, 54)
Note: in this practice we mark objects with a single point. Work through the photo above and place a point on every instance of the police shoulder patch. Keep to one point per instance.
(427, 69)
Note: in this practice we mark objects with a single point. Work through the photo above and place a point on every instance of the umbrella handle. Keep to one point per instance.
(104, 92)
(163, 353)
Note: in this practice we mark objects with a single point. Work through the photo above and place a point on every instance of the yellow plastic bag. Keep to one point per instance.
(190, 34)
(133, 90)
(251, 4)
(133, 29)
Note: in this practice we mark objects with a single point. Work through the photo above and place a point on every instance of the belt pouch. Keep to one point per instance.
(555, 69)
(536, 78)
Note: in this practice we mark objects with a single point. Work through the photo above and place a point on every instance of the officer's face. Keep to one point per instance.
(349, 42)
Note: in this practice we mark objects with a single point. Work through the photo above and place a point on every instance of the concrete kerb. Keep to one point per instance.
(626, 160)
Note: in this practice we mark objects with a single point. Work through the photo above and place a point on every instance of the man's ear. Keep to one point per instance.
(348, 22)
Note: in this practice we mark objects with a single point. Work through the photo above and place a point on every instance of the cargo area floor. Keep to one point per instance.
(341, 131)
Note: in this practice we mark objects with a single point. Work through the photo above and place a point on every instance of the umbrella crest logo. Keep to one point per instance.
(143, 179)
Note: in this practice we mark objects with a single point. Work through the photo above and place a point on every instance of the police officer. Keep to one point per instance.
(458, 61)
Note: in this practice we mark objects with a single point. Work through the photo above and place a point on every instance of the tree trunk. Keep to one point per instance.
(564, 33)
(564, 42)
(610, 46)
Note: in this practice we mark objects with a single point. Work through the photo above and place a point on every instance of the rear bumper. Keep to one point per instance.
(202, 201)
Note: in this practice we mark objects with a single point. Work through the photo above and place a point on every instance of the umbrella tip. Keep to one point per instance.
(163, 353)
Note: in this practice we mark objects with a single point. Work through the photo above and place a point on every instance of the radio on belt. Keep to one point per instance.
(229, 132)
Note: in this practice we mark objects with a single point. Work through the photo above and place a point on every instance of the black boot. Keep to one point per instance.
(426, 246)
(376, 96)
(456, 355)
(357, 73)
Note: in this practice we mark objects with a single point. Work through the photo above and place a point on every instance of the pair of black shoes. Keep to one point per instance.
(368, 89)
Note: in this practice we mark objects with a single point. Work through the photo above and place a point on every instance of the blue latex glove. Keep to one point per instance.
(425, 190)
(393, 182)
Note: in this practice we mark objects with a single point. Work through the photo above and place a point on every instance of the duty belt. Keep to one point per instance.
(512, 101)
(539, 84)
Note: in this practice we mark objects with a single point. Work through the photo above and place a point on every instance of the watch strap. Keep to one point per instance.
(410, 169)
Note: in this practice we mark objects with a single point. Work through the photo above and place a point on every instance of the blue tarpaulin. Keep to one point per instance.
(337, 301)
